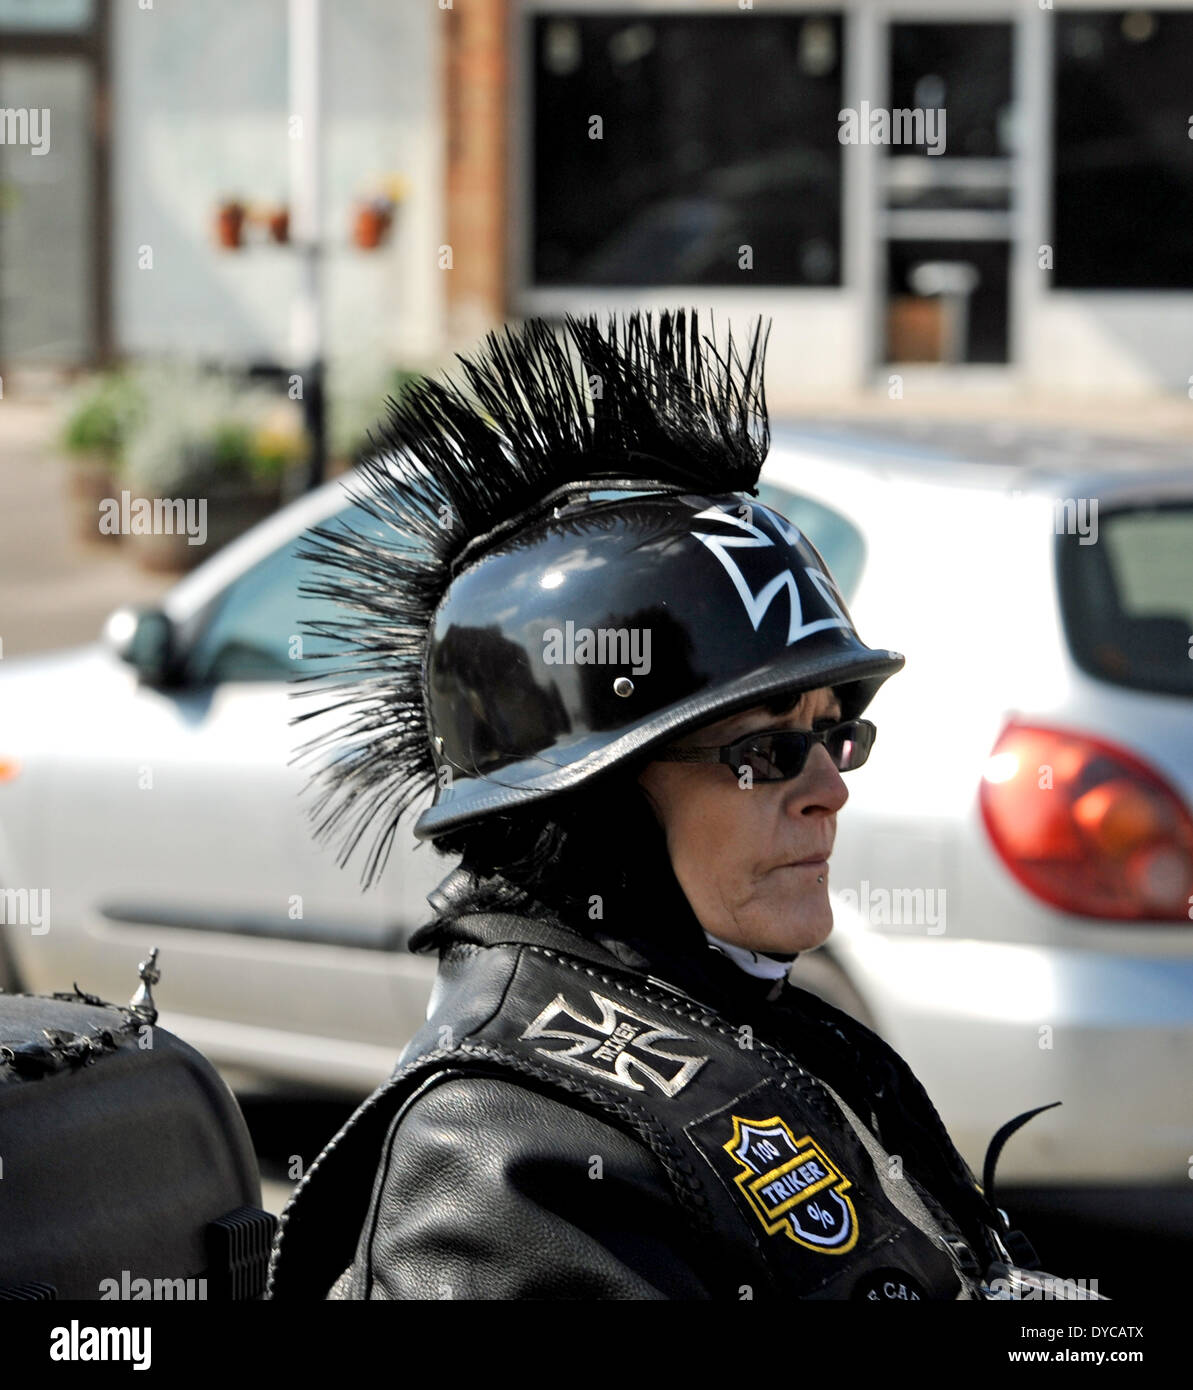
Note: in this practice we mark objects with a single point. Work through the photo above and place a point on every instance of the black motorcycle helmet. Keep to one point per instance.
(569, 571)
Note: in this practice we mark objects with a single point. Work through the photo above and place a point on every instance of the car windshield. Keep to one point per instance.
(1127, 598)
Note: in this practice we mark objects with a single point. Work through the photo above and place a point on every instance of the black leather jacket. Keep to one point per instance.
(599, 1119)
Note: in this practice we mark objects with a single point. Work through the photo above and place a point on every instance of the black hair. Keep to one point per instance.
(597, 859)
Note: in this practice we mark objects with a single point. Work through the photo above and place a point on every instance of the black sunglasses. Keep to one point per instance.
(778, 755)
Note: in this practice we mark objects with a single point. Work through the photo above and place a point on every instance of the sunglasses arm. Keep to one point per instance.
(691, 755)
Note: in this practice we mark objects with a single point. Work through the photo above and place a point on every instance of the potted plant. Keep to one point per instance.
(371, 224)
(229, 223)
(213, 459)
(373, 216)
(100, 416)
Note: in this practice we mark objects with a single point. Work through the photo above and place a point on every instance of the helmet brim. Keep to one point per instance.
(570, 763)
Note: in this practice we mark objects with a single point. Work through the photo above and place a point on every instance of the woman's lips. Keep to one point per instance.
(807, 864)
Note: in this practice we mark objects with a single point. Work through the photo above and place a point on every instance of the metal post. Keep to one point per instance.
(306, 192)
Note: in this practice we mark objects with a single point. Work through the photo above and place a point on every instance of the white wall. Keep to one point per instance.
(1126, 343)
(816, 338)
(201, 112)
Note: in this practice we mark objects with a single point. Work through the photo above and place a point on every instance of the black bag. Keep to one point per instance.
(127, 1169)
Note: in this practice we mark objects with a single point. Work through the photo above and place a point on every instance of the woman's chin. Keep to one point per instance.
(800, 932)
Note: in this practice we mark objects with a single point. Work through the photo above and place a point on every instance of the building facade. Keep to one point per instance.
(986, 193)
(981, 194)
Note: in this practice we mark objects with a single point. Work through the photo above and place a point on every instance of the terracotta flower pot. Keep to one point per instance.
(370, 226)
(229, 225)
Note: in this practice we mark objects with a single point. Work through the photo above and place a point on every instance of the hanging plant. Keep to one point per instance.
(372, 223)
(229, 224)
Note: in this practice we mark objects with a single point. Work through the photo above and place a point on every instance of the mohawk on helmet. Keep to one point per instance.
(492, 503)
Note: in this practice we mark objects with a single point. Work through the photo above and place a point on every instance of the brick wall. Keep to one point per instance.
(475, 106)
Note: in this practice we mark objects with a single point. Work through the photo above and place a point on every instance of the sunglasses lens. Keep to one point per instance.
(778, 757)
(849, 744)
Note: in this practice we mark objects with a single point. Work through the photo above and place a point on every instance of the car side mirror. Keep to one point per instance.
(144, 637)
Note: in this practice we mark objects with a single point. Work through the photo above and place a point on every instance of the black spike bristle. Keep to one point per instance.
(453, 461)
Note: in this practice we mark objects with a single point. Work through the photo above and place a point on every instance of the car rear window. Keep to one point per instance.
(1127, 598)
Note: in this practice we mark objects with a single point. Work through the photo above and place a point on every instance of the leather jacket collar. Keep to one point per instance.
(681, 957)
(673, 950)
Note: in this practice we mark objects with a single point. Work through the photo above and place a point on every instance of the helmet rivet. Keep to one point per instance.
(623, 686)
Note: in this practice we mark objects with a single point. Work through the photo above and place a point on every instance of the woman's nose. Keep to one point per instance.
(819, 785)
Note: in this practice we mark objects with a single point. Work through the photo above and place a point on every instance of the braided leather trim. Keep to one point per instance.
(292, 1218)
(986, 1220)
(680, 1172)
(808, 1089)
(811, 1093)
(490, 1060)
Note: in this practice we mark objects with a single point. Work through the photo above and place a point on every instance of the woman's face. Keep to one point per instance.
(734, 848)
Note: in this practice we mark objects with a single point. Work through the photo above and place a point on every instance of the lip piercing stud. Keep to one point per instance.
(623, 686)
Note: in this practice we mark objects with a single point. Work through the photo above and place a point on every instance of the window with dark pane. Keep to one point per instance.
(1123, 179)
(717, 132)
(963, 69)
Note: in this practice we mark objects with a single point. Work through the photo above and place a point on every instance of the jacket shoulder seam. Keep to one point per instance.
(489, 1059)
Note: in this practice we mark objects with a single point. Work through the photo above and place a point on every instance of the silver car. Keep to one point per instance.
(1012, 878)
(155, 801)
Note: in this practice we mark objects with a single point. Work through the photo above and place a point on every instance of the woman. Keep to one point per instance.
(635, 692)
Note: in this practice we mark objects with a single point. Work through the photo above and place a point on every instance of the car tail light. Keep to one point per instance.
(1087, 827)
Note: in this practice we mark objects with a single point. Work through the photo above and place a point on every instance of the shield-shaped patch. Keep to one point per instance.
(792, 1185)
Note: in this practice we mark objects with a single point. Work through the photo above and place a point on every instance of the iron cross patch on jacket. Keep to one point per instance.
(792, 1185)
(618, 1045)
